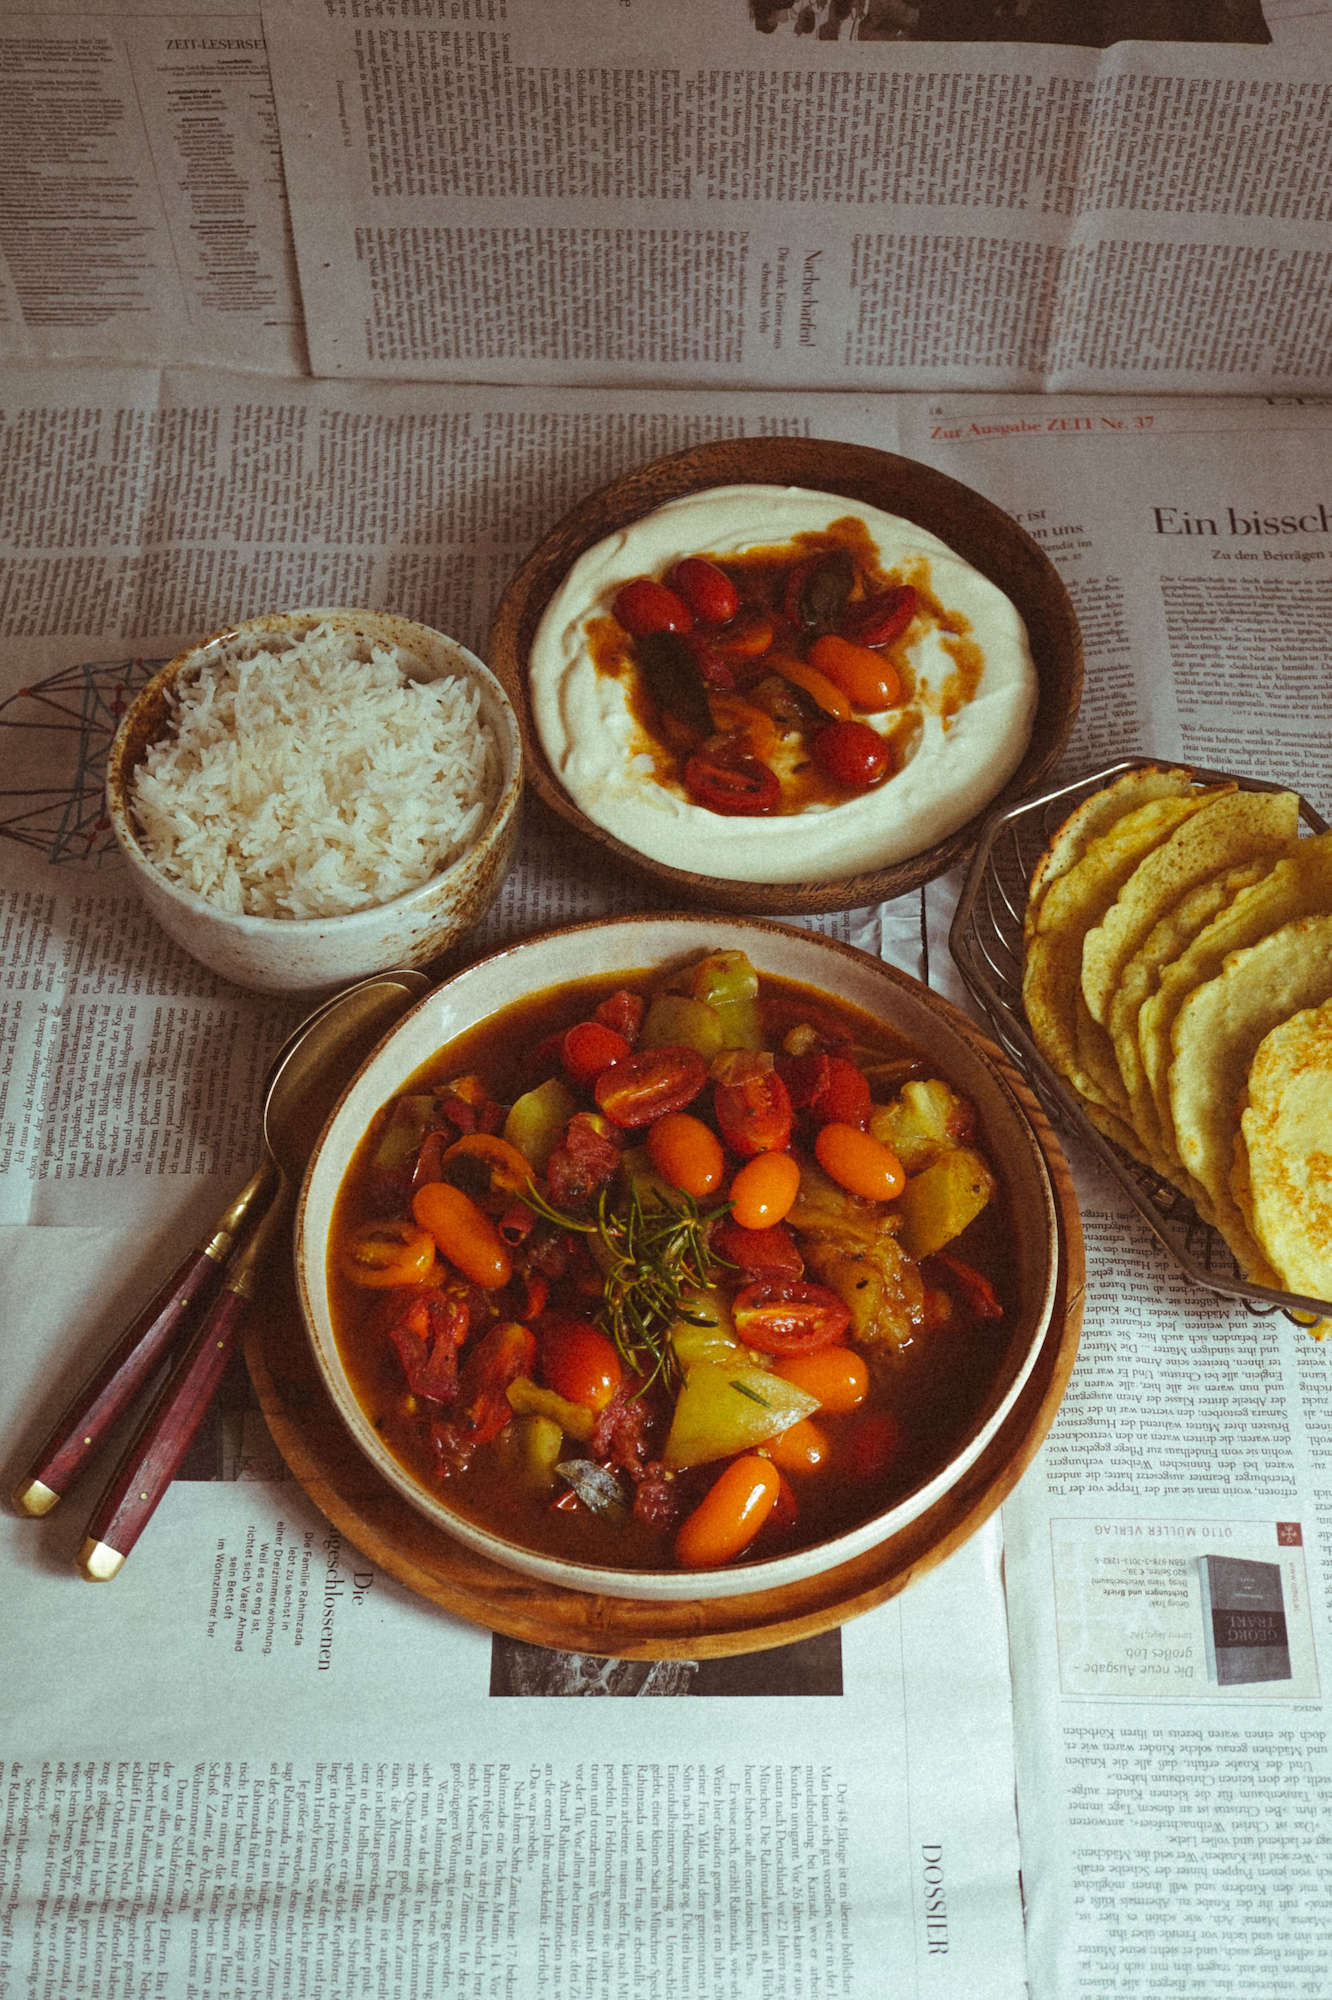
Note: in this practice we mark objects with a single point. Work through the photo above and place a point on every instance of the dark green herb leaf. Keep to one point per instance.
(743, 1389)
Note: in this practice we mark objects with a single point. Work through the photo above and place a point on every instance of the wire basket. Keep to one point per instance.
(986, 942)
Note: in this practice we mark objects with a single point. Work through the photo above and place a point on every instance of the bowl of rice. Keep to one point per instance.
(312, 796)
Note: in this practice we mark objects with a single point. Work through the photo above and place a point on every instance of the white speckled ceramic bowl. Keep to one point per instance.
(291, 955)
(635, 944)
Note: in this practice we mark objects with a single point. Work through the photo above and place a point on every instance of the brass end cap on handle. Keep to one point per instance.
(34, 1497)
(98, 1561)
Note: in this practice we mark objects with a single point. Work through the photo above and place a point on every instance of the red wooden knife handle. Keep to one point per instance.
(109, 1391)
(162, 1440)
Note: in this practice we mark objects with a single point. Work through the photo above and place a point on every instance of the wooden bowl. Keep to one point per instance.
(981, 533)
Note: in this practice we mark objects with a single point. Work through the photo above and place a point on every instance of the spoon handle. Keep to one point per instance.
(108, 1392)
(153, 1456)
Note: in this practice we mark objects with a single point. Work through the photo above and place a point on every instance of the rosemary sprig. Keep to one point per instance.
(650, 1253)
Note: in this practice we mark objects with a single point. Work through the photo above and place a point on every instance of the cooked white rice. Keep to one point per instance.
(314, 779)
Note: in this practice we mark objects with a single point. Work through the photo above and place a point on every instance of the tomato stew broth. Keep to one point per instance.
(924, 1395)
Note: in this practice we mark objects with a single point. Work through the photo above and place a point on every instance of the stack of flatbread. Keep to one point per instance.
(1178, 974)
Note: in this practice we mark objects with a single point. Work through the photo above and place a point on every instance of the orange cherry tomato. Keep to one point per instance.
(649, 1083)
(859, 1162)
(382, 1255)
(579, 1363)
(730, 1513)
(838, 1376)
(824, 693)
(468, 1238)
(801, 1447)
(853, 754)
(748, 636)
(865, 678)
(764, 1190)
(687, 1153)
(589, 1047)
(868, 1449)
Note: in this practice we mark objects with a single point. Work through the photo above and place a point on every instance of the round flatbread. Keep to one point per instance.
(1284, 1165)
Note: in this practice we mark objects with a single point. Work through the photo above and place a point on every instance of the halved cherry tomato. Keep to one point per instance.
(687, 1153)
(492, 1165)
(759, 1253)
(764, 1189)
(802, 1447)
(864, 678)
(752, 1105)
(644, 606)
(579, 1363)
(824, 693)
(789, 1316)
(971, 1286)
(589, 1047)
(649, 1083)
(730, 1513)
(868, 1448)
(882, 618)
(859, 1162)
(381, 1255)
(706, 589)
(736, 785)
(503, 1353)
(853, 755)
(468, 1238)
(838, 1376)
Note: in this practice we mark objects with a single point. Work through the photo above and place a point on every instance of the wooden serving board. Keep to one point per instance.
(376, 1519)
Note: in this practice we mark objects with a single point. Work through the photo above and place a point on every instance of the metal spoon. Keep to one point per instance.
(306, 1077)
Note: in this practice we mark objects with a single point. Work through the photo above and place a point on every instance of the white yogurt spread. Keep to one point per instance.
(953, 764)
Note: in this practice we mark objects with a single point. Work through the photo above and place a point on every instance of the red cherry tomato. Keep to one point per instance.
(579, 1363)
(706, 589)
(853, 755)
(589, 1047)
(752, 1106)
(730, 1513)
(869, 1447)
(649, 1083)
(644, 606)
(836, 1375)
(864, 678)
(843, 1095)
(882, 618)
(789, 1316)
(731, 783)
(759, 1253)
(764, 1189)
(859, 1162)
(687, 1153)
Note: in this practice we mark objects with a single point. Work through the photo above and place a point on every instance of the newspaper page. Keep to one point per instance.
(143, 215)
(1194, 536)
(828, 194)
(1169, 1557)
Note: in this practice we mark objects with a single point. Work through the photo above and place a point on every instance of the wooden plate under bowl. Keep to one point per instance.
(378, 1521)
(981, 533)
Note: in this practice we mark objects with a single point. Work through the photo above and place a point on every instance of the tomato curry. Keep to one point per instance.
(673, 1271)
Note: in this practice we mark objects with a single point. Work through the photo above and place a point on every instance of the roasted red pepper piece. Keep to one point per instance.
(503, 1353)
